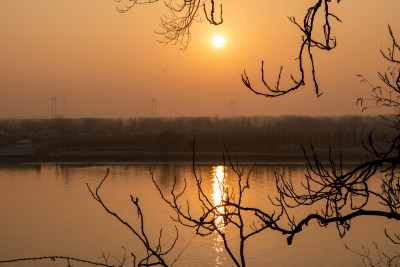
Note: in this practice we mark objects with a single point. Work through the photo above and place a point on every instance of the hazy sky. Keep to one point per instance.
(109, 64)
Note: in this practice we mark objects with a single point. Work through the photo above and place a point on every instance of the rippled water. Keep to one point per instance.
(48, 210)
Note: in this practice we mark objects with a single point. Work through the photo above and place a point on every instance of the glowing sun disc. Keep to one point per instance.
(218, 41)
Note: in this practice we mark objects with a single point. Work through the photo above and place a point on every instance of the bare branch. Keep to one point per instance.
(53, 258)
(305, 52)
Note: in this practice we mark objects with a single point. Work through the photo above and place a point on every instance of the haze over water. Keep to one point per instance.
(101, 63)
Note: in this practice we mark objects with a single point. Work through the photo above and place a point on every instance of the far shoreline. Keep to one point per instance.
(156, 157)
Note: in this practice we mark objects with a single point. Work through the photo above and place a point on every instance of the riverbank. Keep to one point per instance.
(105, 157)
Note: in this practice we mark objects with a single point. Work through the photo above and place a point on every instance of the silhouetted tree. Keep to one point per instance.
(338, 196)
(344, 195)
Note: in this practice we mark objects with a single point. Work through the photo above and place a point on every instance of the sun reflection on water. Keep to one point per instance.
(218, 196)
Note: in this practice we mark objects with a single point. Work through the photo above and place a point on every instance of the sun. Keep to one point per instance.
(218, 41)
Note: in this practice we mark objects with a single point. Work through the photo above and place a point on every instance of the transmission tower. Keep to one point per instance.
(53, 107)
(154, 107)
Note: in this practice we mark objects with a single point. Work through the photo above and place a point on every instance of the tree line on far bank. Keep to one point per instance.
(285, 134)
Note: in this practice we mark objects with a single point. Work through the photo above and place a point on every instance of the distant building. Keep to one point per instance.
(22, 148)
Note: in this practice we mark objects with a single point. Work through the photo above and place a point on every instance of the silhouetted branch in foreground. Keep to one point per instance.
(388, 95)
(53, 258)
(308, 43)
(131, 4)
(375, 257)
(175, 26)
(120, 260)
(211, 18)
(338, 196)
(155, 253)
(342, 196)
(213, 215)
(395, 238)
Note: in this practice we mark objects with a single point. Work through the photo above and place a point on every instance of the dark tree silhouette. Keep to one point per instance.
(338, 196)
(347, 195)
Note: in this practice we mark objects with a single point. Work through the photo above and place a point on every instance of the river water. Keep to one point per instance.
(46, 209)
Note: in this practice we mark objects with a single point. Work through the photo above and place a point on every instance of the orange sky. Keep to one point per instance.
(110, 64)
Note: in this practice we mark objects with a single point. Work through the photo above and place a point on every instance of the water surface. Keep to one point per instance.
(46, 209)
